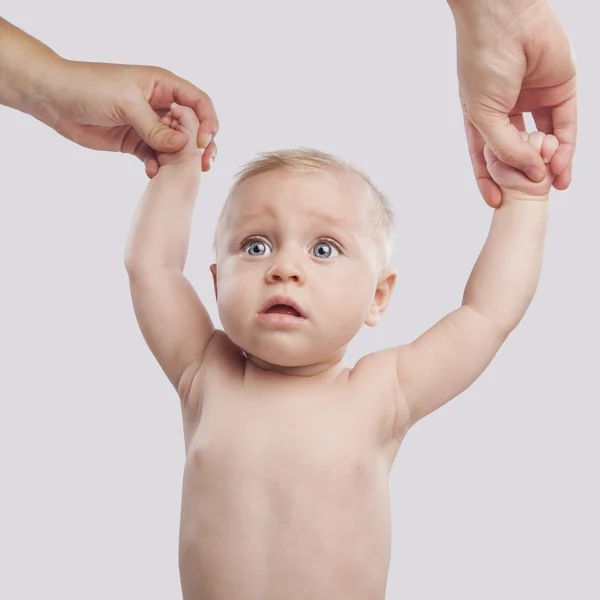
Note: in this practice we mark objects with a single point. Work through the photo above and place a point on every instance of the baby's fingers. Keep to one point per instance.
(536, 139)
(549, 147)
(185, 115)
(170, 121)
(546, 145)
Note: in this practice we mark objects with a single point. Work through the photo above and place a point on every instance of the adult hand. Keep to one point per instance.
(514, 57)
(101, 106)
(118, 107)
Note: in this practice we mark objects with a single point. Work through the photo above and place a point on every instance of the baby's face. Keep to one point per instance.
(303, 237)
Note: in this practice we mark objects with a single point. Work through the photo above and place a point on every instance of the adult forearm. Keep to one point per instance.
(160, 232)
(505, 277)
(27, 70)
(480, 8)
(489, 20)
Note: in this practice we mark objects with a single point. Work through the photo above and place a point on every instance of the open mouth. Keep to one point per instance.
(283, 309)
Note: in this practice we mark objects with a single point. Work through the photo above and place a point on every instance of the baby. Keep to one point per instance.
(288, 451)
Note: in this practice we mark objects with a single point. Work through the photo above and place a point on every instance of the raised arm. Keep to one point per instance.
(173, 321)
(450, 356)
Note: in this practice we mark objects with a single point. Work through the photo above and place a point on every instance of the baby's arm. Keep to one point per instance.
(450, 356)
(173, 321)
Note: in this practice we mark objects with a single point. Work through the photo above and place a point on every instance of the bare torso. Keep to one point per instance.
(285, 488)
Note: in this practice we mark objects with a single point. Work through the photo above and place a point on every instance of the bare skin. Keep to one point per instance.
(288, 451)
(101, 106)
(285, 491)
(514, 57)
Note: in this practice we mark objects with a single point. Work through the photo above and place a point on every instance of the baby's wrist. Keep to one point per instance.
(185, 161)
(188, 170)
(512, 196)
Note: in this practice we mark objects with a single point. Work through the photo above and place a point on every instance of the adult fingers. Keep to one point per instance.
(209, 156)
(188, 94)
(506, 143)
(543, 120)
(564, 120)
(148, 156)
(563, 157)
(139, 114)
(487, 186)
(563, 181)
(519, 123)
(490, 158)
(151, 168)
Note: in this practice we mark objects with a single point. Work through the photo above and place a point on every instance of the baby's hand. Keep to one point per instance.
(184, 119)
(512, 181)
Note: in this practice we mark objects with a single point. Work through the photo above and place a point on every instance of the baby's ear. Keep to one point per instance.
(383, 294)
(213, 270)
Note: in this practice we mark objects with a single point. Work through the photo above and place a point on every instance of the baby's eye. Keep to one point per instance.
(257, 248)
(325, 250)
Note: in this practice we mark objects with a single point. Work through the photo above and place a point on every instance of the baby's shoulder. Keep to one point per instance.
(379, 367)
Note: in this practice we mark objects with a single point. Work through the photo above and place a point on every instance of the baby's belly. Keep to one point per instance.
(267, 522)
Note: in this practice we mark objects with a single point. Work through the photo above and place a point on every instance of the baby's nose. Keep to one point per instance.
(285, 272)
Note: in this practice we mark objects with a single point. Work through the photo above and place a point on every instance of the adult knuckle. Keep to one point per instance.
(161, 72)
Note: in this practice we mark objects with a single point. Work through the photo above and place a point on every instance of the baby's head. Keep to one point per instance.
(303, 227)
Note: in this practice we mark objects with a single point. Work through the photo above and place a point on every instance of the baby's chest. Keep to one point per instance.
(312, 433)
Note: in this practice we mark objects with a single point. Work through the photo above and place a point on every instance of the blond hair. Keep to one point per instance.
(309, 160)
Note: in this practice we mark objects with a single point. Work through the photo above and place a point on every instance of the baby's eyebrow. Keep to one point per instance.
(316, 215)
(246, 223)
(328, 218)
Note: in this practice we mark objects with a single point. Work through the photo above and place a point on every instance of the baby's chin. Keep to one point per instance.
(282, 359)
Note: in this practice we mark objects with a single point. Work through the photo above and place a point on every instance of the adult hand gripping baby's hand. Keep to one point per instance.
(514, 57)
(118, 108)
(182, 119)
(513, 184)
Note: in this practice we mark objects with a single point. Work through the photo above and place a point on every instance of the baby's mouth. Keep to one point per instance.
(283, 309)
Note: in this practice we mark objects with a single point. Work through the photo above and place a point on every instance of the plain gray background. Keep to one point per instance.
(494, 496)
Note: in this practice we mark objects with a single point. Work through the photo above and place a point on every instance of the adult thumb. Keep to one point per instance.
(146, 122)
(507, 144)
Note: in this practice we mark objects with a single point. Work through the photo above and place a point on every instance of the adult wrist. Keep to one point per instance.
(27, 70)
(483, 7)
(482, 17)
(42, 91)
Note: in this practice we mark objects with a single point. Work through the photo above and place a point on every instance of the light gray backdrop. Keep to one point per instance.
(494, 496)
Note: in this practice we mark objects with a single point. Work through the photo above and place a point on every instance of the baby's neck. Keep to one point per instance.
(323, 370)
